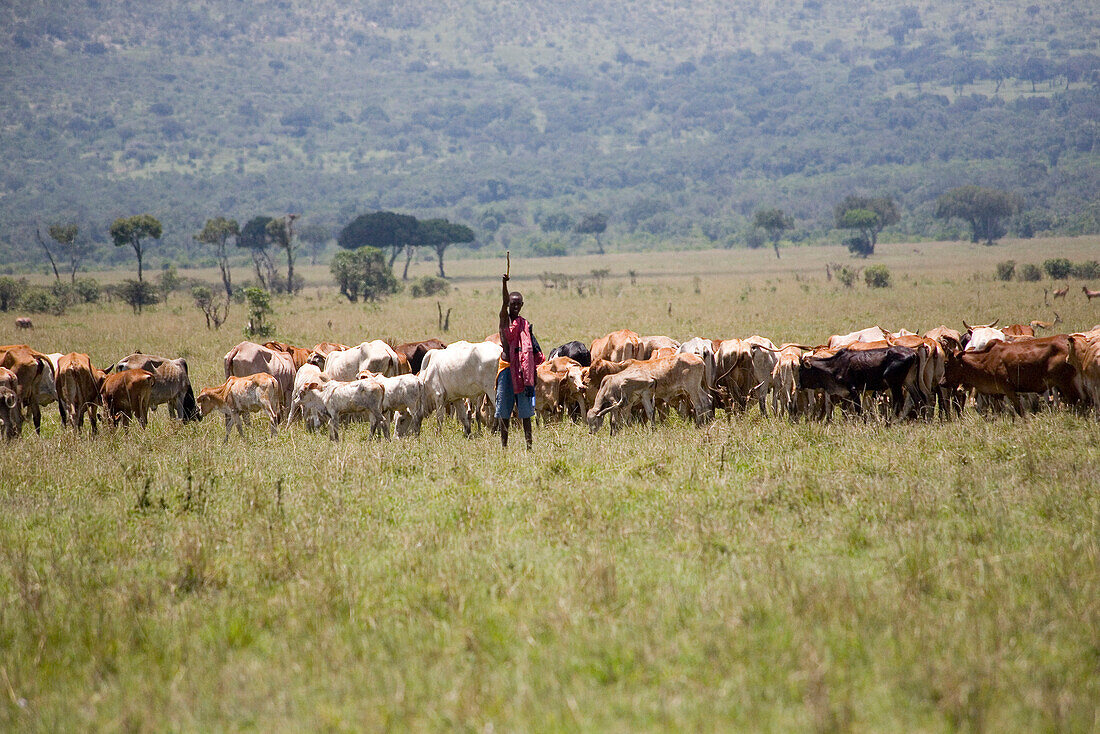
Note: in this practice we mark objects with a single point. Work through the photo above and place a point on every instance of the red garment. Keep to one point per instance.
(521, 355)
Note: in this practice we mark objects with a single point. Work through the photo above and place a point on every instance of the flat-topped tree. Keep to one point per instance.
(382, 230)
(439, 234)
(868, 215)
(983, 209)
(132, 231)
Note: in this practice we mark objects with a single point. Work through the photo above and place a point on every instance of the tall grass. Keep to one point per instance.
(751, 575)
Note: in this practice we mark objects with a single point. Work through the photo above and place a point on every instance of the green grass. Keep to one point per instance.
(754, 575)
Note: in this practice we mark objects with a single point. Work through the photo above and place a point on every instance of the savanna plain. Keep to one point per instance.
(752, 575)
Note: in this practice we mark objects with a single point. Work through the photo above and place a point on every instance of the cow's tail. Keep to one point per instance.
(229, 362)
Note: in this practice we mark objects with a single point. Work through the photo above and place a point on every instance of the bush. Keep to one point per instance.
(1030, 273)
(846, 275)
(87, 290)
(877, 276)
(40, 300)
(64, 293)
(1089, 270)
(259, 308)
(137, 293)
(1006, 270)
(428, 286)
(363, 272)
(1058, 268)
(549, 249)
(11, 290)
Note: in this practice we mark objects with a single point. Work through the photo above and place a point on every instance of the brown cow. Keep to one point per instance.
(414, 351)
(238, 397)
(618, 346)
(681, 375)
(559, 387)
(650, 344)
(11, 419)
(324, 348)
(23, 322)
(249, 359)
(127, 394)
(78, 389)
(1019, 330)
(29, 366)
(298, 354)
(1084, 356)
(173, 385)
(1008, 369)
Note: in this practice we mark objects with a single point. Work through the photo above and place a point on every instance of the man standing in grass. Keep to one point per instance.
(516, 373)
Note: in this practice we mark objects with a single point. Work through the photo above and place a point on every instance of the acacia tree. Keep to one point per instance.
(593, 224)
(255, 237)
(281, 232)
(439, 234)
(71, 249)
(132, 230)
(983, 209)
(382, 230)
(217, 233)
(774, 222)
(315, 237)
(868, 215)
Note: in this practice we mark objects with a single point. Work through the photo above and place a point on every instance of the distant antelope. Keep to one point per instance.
(1090, 294)
(1061, 292)
(1037, 324)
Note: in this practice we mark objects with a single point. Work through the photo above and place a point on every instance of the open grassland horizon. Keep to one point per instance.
(753, 575)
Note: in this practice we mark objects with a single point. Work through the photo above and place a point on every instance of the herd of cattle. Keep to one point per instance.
(621, 376)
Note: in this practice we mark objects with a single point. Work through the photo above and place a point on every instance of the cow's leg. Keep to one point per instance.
(333, 426)
(36, 414)
(273, 415)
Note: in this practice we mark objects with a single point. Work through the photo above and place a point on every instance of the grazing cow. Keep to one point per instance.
(23, 322)
(47, 387)
(1008, 369)
(599, 371)
(559, 387)
(1019, 330)
(618, 346)
(11, 418)
(764, 356)
(29, 367)
(704, 350)
(670, 379)
(651, 344)
(173, 385)
(848, 373)
(787, 394)
(1084, 356)
(239, 397)
(402, 401)
(576, 351)
(375, 356)
(299, 355)
(1090, 294)
(306, 374)
(78, 389)
(870, 334)
(735, 376)
(249, 359)
(461, 371)
(339, 398)
(126, 395)
(414, 352)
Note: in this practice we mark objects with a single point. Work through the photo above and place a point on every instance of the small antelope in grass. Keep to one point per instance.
(1037, 324)
(1061, 292)
(1091, 294)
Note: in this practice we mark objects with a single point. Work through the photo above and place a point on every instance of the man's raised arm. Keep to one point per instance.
(504, 323)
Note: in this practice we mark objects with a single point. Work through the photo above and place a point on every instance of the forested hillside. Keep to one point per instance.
(677, 120)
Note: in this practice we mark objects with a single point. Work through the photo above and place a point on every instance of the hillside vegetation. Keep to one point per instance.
(676, 120)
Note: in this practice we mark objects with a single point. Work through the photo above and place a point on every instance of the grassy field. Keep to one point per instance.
(754, 575)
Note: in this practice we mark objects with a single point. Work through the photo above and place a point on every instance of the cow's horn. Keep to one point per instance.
(968, 326)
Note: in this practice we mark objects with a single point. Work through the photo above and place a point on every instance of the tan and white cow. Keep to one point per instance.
(238, 397)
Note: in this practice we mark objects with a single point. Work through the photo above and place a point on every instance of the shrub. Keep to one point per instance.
(1058, 268)
(549, 249)
(40, 300)
(428, 286)
(846, 275)
(1089, 270)
(137, 293)
(363, 272)
(1006, 270)
(877, 276)
(259, 308)
(11, 290)
(87, 290)
(1029, 272)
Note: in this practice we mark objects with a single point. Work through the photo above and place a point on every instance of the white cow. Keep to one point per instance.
(870, 334)
(338, 398)
(47, 385)
(459, 372)
(982, 336)
(376, 356)
(306, 374)
(403, 402)
(764, 356)
(704, 350)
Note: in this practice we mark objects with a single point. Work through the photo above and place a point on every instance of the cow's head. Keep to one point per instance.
(317, 359)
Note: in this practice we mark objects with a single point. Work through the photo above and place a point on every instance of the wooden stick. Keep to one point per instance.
(508, 269)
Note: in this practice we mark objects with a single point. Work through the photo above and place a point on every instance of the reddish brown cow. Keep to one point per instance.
(127, 394)
(29, 367)
(78, 389)
(1010, 368)
(298, 354)
(414, 351)
(1019, 330)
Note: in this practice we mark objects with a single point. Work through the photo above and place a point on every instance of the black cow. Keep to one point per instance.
(577, 351)
(848, 373)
